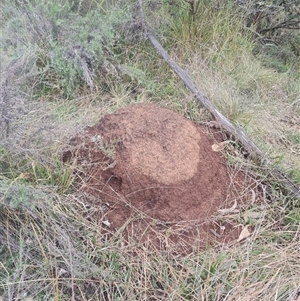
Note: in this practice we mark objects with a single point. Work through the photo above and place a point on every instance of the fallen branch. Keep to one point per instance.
(236, 132)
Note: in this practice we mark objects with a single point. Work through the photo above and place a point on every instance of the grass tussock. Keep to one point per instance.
(66, 64)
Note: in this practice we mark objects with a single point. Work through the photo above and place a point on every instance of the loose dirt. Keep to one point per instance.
(156, 174)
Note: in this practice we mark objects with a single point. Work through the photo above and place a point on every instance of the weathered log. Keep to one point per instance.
(236, 132)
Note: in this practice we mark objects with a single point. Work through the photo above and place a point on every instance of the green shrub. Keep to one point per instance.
(58, 49)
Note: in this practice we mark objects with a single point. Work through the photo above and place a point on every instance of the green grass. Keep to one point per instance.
(53, 245)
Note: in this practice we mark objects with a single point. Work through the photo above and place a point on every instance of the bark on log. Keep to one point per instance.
(236, 132)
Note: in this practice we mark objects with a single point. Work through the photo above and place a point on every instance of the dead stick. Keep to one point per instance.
(236, 132)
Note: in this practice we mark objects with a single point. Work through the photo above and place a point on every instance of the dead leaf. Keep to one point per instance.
(62, 272)
(217, 147)
(253, 197)
(244, 234)
(106, 223)
(254, 215)
(229, 210)
(24, 175)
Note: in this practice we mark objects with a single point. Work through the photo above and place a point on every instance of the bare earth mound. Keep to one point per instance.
(148, 159)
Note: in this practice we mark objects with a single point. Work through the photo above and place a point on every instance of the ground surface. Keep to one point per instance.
(153, 169)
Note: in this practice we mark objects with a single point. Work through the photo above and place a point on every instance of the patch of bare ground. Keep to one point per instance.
(157, 176)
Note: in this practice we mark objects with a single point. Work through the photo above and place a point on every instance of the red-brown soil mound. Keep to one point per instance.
(145, 158)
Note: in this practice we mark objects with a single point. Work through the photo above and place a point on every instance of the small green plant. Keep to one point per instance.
(293, 219)
(33, 172)
(57, 175)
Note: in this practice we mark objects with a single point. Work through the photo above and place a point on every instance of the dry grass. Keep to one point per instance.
(259, 101)
(53, 247)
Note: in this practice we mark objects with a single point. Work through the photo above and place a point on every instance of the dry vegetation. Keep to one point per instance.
(66, 64)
